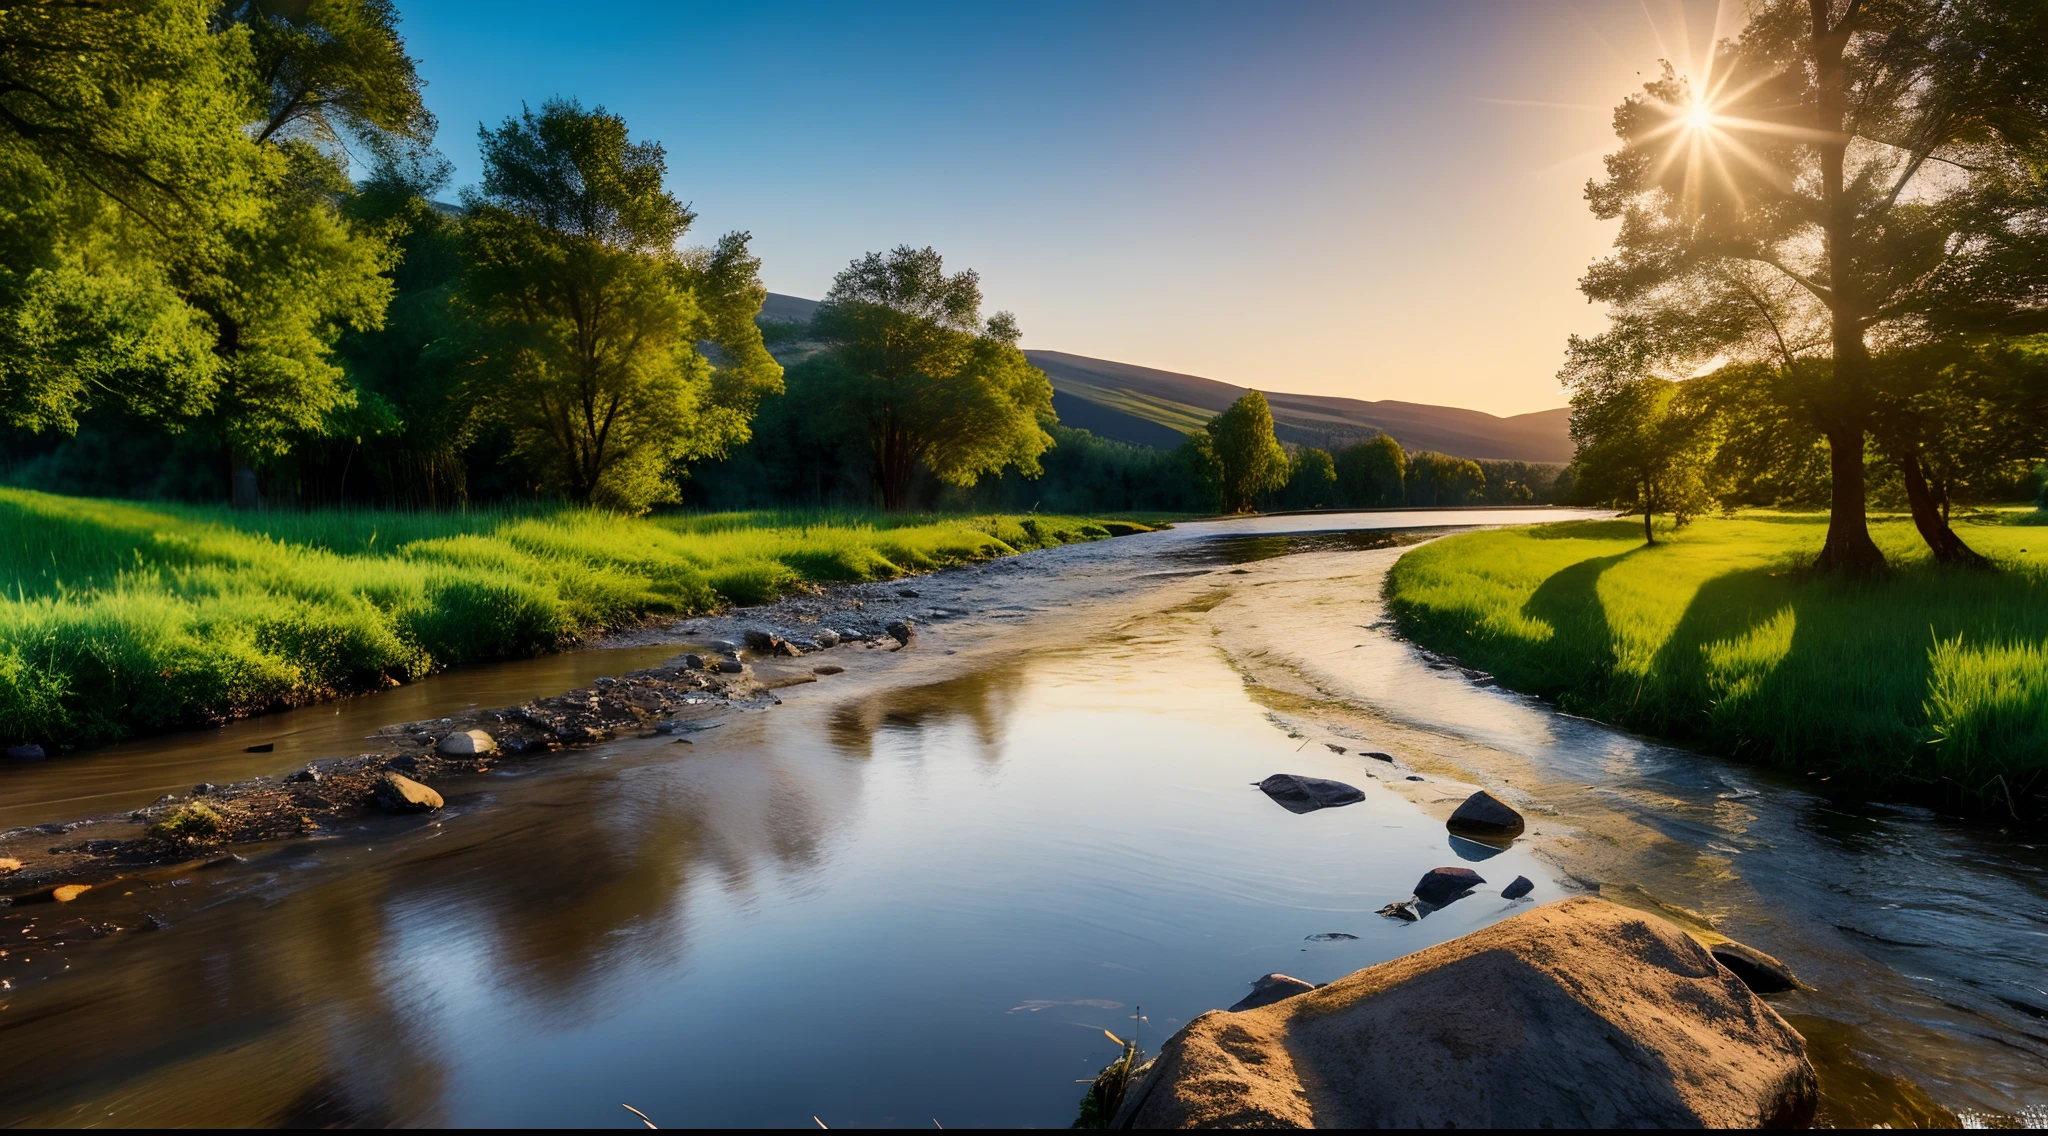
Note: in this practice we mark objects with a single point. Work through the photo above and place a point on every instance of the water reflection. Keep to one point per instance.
(983, 699)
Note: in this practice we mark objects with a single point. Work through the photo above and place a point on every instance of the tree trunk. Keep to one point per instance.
(1930, 517)
(1849, 549)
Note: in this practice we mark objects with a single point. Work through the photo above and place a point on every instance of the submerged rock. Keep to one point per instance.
(1484, 814)
(1581, 1014)
(401, 794)
(693, 662)
(1521, 887)
(1330, 937)
(1757, 970)
(1440, 886)
(1404, 911)
(468, 743)
(1376, 755)
(1299, 794)
(30, 752)
(1270, 989)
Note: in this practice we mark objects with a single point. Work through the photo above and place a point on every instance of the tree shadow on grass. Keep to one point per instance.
(1578, 663)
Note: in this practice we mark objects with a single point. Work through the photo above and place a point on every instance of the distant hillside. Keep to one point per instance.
(1158, 408)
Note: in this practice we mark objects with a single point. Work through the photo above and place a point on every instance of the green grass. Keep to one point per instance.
(120, 618)
(1930, 680)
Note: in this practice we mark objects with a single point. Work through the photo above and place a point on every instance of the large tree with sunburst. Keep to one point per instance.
(1846, 176)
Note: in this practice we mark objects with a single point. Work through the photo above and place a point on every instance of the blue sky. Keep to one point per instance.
(1362, 199)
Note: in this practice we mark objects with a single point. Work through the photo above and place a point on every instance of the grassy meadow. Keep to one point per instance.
(121, 618)
(1931, 681)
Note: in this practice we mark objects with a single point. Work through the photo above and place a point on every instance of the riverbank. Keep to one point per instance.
(1036, 821)
(123, 619)
(1930, 682)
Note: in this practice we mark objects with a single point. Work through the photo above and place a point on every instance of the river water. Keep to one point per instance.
(921, 890)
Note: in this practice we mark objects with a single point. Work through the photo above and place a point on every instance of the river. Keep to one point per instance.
(921, 890)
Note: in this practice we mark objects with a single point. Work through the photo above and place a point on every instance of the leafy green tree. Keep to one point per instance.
(1438, 481)
(1311, 480)
(1202, 469)
(584, 317)
(1851, 172)
(1641, 449)
(333, 73)
(1371, 474)
(1249, 457)
(921, 381)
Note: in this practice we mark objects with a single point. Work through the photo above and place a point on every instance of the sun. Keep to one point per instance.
(1699, 116)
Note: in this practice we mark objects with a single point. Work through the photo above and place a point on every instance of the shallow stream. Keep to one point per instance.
(921, 890)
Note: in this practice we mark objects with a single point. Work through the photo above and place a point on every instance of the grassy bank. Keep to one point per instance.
(121, 618)
(1932, 681)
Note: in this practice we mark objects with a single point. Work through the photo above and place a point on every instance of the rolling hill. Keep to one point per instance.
(1150, 407)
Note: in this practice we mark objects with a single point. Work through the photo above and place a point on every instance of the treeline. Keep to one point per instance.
(1813, 304)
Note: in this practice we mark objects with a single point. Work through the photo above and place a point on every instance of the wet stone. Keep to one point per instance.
(1299, 794)
(400, 794)
(1762, 973)
(468, 743)
(1483, 814)
(1270, 989)
(762, 641)
(1518, 889)
(693, 662)
(1376, 755)
(903, 631)
(1405, 912)
(1330, 937)
(1441, 886)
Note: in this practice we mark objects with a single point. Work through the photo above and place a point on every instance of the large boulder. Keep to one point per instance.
(1485, 815)
(1299, 794)
(1581, 1014)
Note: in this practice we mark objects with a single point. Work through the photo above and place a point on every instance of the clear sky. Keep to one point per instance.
(1376, 200)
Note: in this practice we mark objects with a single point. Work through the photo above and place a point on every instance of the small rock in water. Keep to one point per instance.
(69, 892)
(725, 646)
(1330, 937)
(203, 788)
(1518, 889)
(1270, 989)
(1333, 747)
(1416, 777)
(903, 631)
(1441, 886)
(401, 794)
(828, 669)
(826, 637)
(1376, 755)
(307, 774)
(29, 752)
(907, 593)
(787, 649)
(762, 641)
(1402, 911)
(404, 763)
(1484, 814)
(693, 662)
(265, 747)
(731, 665)
(1299, 794)
(9, 865)
(1757, 970)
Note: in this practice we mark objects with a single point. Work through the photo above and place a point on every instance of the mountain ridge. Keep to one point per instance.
(1150, 407)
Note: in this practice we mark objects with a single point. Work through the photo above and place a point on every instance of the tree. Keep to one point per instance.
(1640, 449)
(1311, 479)
(1811, 195)
(923, 383)
(1250, 460)
(1370, 474)
(333, 72)
(583, 315)
(1439, 480)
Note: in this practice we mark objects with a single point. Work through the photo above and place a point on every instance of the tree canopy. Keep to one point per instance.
(586, 320)
(1850, 175)
(923, 382)
(1249, 459)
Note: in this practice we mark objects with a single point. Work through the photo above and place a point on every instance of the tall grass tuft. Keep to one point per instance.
(1716, 636)
(121, 618)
